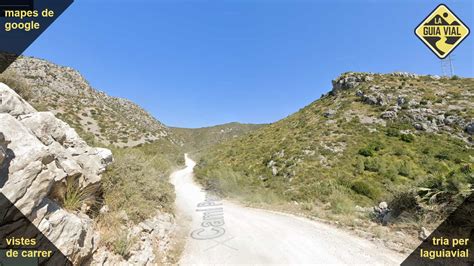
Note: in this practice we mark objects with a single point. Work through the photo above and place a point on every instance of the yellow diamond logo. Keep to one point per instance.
(442, 31)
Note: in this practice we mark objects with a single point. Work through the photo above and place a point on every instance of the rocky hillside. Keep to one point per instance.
(95, 115)
(44, 163)
(401, 138)
(96, 211)
(197, 139)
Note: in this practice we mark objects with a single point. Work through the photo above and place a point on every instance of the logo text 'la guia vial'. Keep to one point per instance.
(442, 31)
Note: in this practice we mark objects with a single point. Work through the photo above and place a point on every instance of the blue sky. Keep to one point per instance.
(201, 63)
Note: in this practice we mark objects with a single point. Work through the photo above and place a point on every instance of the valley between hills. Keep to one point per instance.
(381, 157)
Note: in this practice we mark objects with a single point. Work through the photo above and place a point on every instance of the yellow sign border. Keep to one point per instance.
(429, 45)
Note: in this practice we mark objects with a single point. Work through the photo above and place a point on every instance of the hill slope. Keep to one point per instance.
(197, 139)
(372, 138)
(135, 189)
(95, 115)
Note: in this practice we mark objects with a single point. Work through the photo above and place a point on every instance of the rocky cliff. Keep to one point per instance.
(44, 163)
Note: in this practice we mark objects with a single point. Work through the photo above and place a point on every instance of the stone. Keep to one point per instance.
(420, 126)
(73, 234)
(46, 127)
(387, 218)
(104, 209)
(412, 102)
(381, 100)
(45, 154)
(370, 99)
(329, 113)
(470, 128)
(274, 171)
(350, 80)
(382, 214)
(11, 103)
(154, 234)
(123, 216)
(389, 115)
(271, 163)
(450, 120)
(105, 155)
(404, 74)
(440, 119)
(3, 148)
(401, 100)
(423, 234)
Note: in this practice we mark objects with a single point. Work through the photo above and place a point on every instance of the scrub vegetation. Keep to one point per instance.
(135, 188)
(398, 138)
(196, 140)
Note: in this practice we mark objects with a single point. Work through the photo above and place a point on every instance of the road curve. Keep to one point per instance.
(225, 233)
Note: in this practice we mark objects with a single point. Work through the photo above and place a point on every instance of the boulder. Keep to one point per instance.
(423, 234)
(450, 120)
(154, 234)
(389, 115)
(470, 128)
(48, 129)
(31, 163)
(72, 153)
(329, 113)
(73, 234)
(350, 80)
(404, 74)
(382, 214)
(420, 126)
(11, 103)
(43, 154)
(3, 148)
(401, 100)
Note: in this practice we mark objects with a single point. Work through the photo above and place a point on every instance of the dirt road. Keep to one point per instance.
(225, 233)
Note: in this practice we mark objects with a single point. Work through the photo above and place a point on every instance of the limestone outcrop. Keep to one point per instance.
(39, 156)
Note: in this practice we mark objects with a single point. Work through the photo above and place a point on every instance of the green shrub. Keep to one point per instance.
(399, 151)
(366, 189)
(392, 132)
(407, 137)
(75, 196)
(341, 203)
(372, 164)
(367, 152)
(18, 84)
(405, 169)
(137, 182)
(390, 171)
(404, 201)
(443, 155)
(376, 145)
(123, 243)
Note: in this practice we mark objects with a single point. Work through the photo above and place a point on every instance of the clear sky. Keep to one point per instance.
(200, 63)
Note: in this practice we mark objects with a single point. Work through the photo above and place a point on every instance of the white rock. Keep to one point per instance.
(424, 233)
(44, 151)
(383, 205)
(11, 103)
(104, 209)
